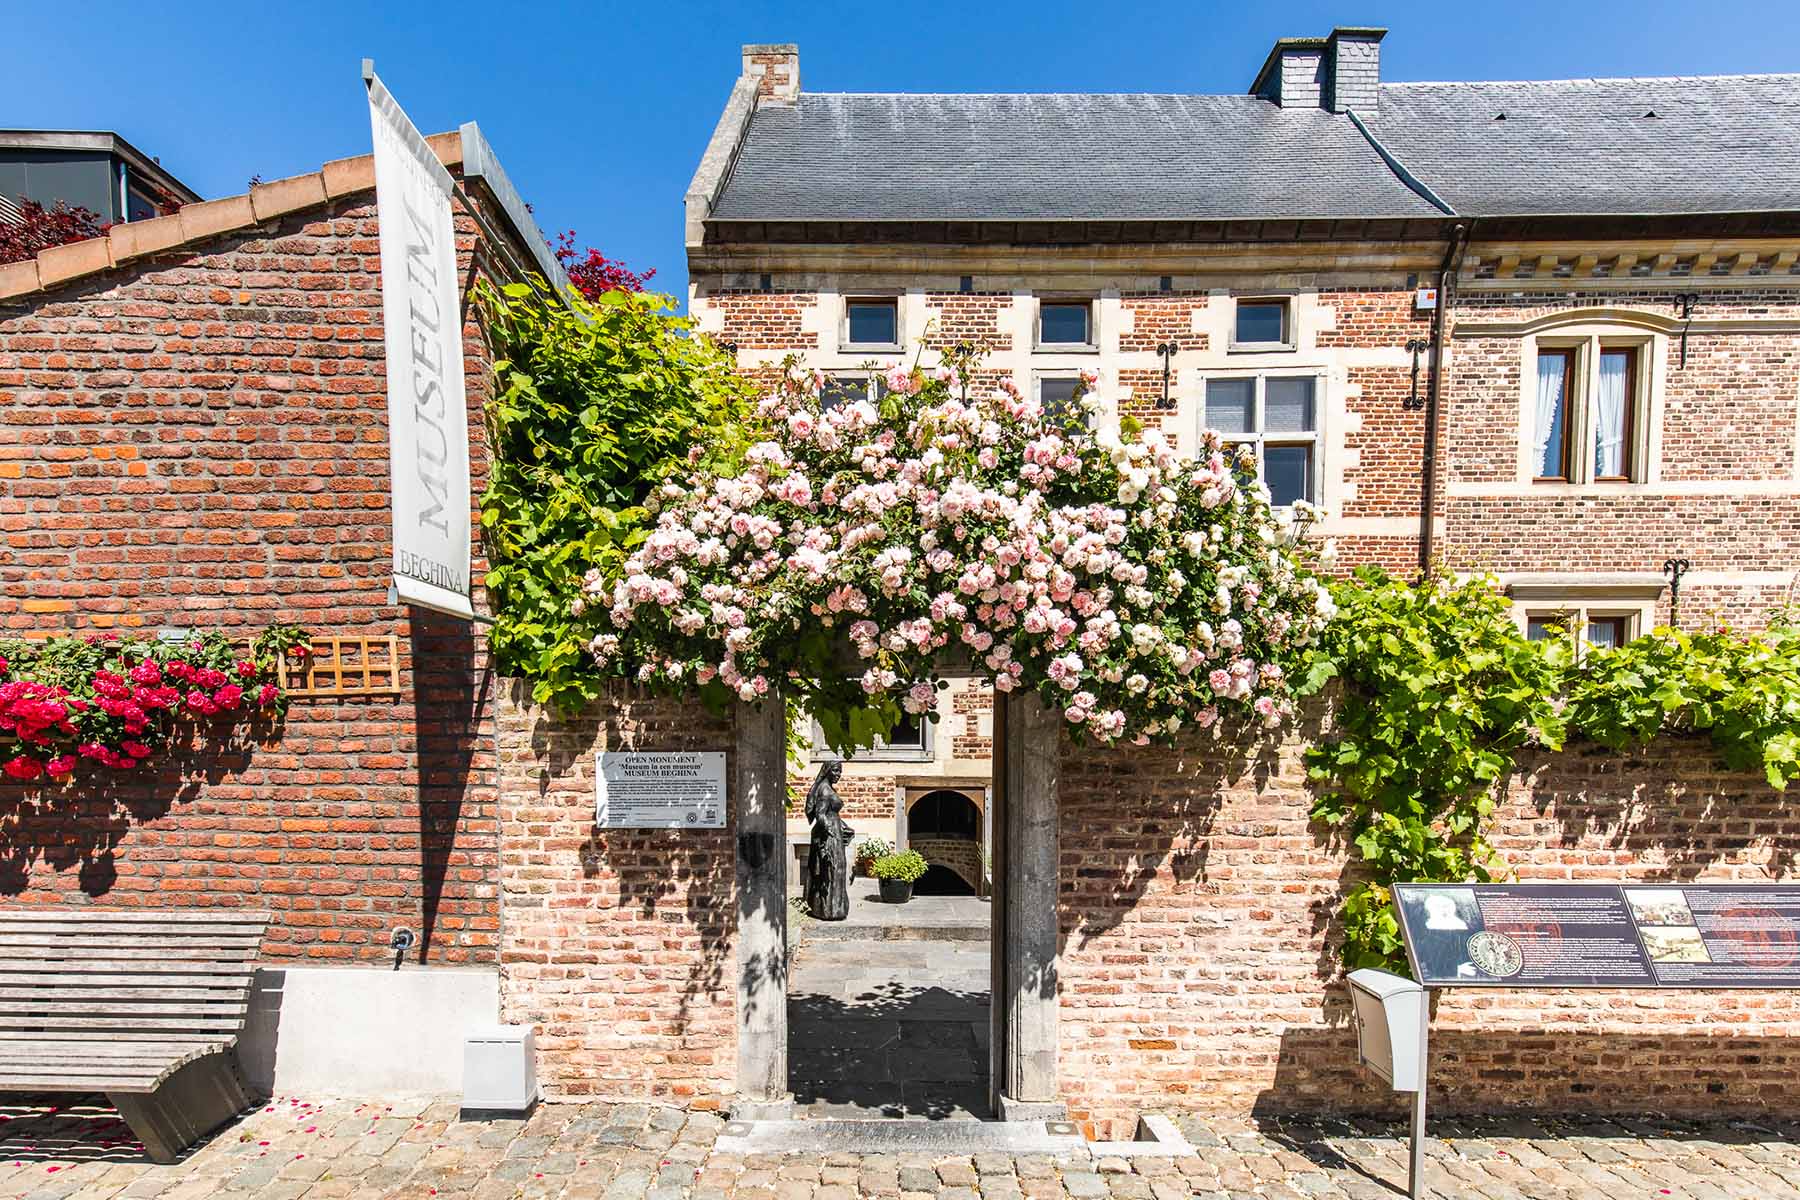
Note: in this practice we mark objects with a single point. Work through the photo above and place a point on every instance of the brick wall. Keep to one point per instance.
(619, 943)
(1197, 943)
(1726, 497)
(199, 440)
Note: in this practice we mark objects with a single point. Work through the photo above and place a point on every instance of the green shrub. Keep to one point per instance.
(907, 866)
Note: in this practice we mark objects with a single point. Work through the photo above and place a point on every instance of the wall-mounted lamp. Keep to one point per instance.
(402, 940)
(1167, 350)
(1687, 303)
(1675, 568)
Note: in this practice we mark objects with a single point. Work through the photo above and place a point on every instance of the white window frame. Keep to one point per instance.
(1038, 378)
(870, 379)
(881, 751)
(1579, 614)
(1091, 346)
(898, 301)
(1289, 337)
(1579, 429)
(1260, 438)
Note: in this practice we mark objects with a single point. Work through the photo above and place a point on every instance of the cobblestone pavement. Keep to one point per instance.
(409, 1150)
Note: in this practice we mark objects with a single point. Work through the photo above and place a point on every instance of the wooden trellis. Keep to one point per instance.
(344, 666)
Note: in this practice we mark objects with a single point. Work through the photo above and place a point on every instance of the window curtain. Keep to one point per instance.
(1551, 368)
(1609, 417)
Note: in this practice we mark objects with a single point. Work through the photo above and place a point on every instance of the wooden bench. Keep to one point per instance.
(145, 1006)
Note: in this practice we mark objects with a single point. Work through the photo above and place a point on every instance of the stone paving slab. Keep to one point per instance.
(413, 1149)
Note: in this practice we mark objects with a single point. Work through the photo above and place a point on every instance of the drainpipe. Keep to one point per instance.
(1439, 318)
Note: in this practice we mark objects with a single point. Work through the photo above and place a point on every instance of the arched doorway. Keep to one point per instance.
(945, 826)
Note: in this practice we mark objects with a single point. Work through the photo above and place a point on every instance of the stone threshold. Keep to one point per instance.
(1157, 1137)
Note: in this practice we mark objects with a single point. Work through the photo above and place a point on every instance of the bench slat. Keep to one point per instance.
(27, 1036)
(117, 967)
(52, 940)
(94, 979)
(150, 916)
(79, 986)
(78, 953)
(18, 1012)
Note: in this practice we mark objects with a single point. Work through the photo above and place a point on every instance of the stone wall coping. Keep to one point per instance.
(192, 223)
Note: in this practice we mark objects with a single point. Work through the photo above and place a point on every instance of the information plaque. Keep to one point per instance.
(681, 790)
(1716, 935)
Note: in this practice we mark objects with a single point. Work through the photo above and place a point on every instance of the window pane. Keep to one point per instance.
(1548, 457)
(1262, 322)
(840, 389)
(874, 322)
(1231, 405)
(1288, 472)
(908, 734)
(1056, 395)
(1542, 629)
(1288, 405)
(1606, 632)
(1612, 421)
(1063, 324)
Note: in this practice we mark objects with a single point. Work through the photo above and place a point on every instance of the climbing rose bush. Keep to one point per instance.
(117, 703)
(857, 549)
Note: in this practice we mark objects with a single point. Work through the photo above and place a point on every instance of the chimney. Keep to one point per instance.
(776, 69)
(1336, 72)
(1353, 69)
(1293, 75)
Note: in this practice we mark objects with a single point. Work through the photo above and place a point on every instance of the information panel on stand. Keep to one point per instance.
(1713, 935)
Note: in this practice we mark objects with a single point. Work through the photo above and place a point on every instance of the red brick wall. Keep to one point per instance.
(620, 944)
(199, 440)
(1198, 955)
(1728, 418)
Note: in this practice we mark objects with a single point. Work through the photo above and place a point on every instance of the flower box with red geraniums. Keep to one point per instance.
(118, 702)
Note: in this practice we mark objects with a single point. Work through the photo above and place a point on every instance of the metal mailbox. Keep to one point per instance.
(1389, 1011)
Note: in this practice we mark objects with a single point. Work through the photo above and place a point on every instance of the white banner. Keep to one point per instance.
(428, 422)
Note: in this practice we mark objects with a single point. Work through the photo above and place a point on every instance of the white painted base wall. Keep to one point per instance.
(364, 1031)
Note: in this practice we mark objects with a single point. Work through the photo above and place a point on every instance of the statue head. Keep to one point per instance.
(832, 771)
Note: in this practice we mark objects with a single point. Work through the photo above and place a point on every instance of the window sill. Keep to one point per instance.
(878, 756)
(869, 348)
(1065, 348)
(1261, 348)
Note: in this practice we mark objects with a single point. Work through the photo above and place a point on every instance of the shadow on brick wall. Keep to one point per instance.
(1512, 1069)
(1669, 809)
(80, 826)
(449, 700)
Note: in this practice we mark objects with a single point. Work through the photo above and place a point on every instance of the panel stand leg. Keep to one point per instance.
(1415, 1167)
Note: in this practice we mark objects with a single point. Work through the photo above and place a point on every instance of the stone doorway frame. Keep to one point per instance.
(1022, 815)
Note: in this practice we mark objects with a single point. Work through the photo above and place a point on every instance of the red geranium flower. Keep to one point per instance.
(61, 767)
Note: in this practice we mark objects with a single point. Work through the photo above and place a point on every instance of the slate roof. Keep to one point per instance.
(1050, 157)
(1718, 144)
(1577, 147)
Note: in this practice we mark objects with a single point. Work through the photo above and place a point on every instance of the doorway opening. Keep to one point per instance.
(889, 1011)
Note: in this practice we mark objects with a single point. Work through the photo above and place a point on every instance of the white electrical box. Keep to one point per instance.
(1390, 1014)
(500, 1068)
(1425, 299)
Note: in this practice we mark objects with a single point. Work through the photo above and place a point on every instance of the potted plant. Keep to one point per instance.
(898, 873)
(867, 851)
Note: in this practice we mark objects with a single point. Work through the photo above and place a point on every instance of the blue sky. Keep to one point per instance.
(599, 110)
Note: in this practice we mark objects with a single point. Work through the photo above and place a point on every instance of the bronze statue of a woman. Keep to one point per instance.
(827, 866)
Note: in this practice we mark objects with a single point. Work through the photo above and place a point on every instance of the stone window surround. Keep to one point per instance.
(1632, 595)
(1325, 404)
(1039, 346)
(880, 752)
(1289, 340)
(846, 299)
(1587, 339)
